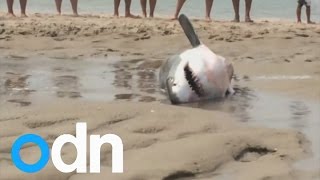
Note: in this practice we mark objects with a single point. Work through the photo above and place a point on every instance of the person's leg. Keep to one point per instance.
(58, 6)
(299, 12)
(208, 9)
(144, 7)
(128, 7)
(116, 8)
(236, 6)
(74, 4)
(10, 7)
(309, 15)
(248, 9)
(153, 4)
(23, 6)
(178, 8)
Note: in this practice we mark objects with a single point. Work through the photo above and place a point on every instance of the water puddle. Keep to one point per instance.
(24, 82)
(274, 111)
(105, 79)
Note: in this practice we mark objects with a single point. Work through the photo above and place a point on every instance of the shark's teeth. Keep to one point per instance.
(193, 81)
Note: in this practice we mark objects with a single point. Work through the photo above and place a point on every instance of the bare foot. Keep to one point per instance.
(23, 15)
(116, 15)
(208, 19)
(174, 18)
(144, 15)
(11, 15)
(236, 20)
(75, 15)
(311, 22)
(132, 16)
(299, 21)
(248, 20)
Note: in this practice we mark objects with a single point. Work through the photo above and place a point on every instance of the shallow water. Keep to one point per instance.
(26, 81)
(275, 111)
(108, 79)
(222, 9)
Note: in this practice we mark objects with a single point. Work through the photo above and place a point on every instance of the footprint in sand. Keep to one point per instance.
(35, 125)
(252, 154)
(179, 175)
(20, 102)
(149, 130)
(302, 35)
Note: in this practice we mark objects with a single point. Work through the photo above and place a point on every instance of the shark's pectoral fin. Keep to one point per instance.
(230, 91)
(230, 73)
(230, 70)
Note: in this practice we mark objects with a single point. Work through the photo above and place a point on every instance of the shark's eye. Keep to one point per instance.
(193, 81)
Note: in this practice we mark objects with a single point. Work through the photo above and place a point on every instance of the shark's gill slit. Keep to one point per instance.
(193, 81)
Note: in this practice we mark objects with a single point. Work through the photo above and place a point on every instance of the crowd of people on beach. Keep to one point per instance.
(152, 3)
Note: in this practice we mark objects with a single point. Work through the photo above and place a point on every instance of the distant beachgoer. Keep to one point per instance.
(23, 5)
(236, 7)
(128, 6)
(180, 3)
(74, 4)
(307, 3)
(152, 4)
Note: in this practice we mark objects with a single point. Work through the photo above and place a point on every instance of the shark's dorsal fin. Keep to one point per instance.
(189, 30)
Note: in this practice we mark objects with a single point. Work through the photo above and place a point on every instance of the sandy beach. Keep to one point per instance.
(57, 71)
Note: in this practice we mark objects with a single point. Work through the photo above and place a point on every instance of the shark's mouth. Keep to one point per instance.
(193, 81)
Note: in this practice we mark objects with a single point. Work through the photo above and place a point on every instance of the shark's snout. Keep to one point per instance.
(173, 97)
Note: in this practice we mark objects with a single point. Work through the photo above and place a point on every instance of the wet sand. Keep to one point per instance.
(56, 71)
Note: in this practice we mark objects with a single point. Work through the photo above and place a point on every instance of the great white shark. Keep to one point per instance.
(196, 74)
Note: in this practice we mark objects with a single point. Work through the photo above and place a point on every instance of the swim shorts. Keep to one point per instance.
(304, 2)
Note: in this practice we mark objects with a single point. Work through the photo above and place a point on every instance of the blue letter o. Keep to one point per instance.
(44, 148)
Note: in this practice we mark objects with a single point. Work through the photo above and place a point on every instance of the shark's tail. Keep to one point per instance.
(189, 30)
